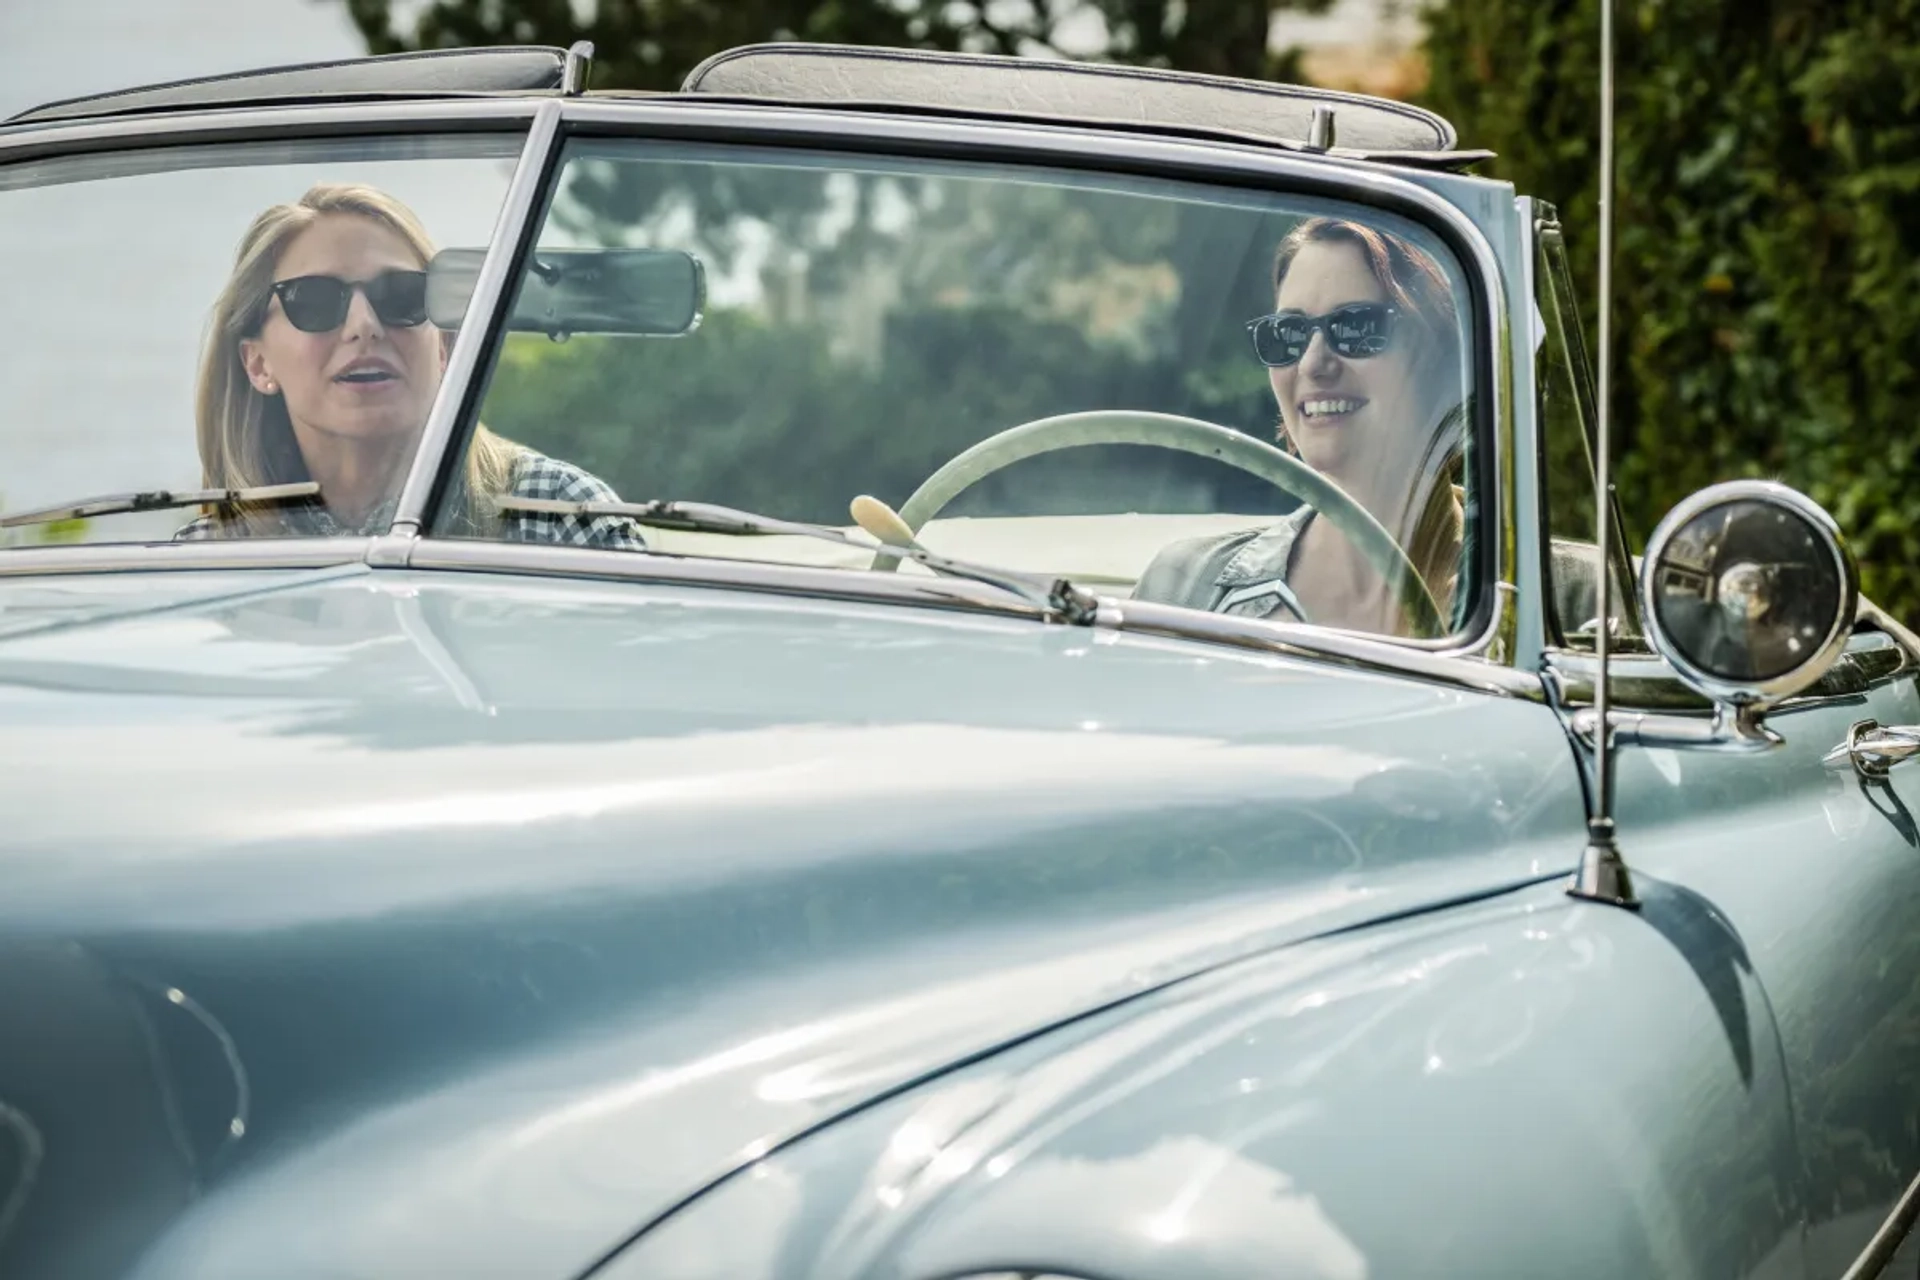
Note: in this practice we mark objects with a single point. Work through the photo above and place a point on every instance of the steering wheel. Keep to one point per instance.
(1188, 435)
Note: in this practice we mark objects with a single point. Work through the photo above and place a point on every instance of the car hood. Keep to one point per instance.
(377, 923)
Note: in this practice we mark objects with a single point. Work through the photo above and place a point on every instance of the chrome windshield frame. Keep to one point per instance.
(513, 230)
(1089, 147)
(551, 122)
(24, 142)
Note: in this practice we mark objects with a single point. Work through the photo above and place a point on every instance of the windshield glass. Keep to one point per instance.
(1246, 402)
(145, 348)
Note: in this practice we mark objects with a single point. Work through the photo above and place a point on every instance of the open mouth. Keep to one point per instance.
(364, 377)
(1330, 408)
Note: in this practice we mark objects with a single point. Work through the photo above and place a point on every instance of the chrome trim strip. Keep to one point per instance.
(1887, 1240)
(482, 556)
(32, 141)
(392, 550)
(1069, 145)
(136, 557)
(1136, 617)
(1880, 620)
(1502, 641)
(511, 229)
(1347, 648)
(1644, 681)
(1526, 212)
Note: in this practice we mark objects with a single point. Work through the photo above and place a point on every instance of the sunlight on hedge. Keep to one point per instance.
(1767, 306)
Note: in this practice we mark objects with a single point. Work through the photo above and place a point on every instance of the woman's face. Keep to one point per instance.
(365, 380)
(1345, 415)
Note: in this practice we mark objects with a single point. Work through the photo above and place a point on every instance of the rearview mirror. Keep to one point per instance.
(651, 292)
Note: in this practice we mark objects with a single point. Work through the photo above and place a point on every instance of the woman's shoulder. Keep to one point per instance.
(1187, 572)
(535, 475)
(1196, 571)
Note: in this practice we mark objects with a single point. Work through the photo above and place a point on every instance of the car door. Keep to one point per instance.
(1813, 862)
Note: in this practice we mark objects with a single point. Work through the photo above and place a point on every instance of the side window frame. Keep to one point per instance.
(1563, 339)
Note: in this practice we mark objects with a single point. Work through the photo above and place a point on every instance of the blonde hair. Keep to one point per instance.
(246, 437)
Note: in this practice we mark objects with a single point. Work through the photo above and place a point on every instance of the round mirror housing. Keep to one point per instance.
(1748, 592)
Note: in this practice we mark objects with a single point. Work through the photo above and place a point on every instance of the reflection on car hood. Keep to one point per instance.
(39, 603)
(453, 924)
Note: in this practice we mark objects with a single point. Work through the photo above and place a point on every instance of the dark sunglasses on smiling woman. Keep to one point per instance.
(1355, 331)
(319, 304)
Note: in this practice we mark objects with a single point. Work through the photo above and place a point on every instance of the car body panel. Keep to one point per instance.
(1819, 870)
(1410, 1101)
(791, 866)
(62, 600)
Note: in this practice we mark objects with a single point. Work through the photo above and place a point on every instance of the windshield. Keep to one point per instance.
(1196, 395)
(145, 351)
(1248, 402)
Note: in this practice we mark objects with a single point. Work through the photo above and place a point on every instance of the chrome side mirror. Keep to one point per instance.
(1749, 593)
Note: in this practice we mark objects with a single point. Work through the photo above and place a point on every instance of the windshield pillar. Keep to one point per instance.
(512, 232)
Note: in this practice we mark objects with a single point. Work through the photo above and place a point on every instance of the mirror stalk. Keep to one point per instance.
(1740, 730)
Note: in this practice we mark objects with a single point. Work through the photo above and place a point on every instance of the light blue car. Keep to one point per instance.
(751, 684)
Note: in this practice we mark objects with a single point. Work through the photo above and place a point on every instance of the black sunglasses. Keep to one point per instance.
(1355, 331)
(318, 304)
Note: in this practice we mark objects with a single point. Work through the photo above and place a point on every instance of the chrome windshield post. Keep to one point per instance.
(511, 234)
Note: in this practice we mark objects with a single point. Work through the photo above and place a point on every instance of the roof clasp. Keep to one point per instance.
(1320, 130)
(573, 77)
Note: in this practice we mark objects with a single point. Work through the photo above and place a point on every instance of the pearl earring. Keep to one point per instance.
(270, 386)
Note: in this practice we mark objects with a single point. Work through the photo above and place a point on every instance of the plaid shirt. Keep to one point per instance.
(534, 476)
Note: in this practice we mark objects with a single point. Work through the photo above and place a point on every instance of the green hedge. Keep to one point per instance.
(1767, 230)
(1768, 194)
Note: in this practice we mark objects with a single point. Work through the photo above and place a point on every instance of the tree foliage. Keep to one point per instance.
(1767, 195)
(652, 44)
(1767, 233)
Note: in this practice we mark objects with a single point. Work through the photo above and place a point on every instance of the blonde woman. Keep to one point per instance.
(320, 365)
(1362, 353)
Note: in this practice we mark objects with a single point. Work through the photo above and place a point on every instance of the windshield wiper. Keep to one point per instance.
(113, 504)
(1055, 596)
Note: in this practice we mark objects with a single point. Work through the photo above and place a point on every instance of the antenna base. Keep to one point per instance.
(1602, 875)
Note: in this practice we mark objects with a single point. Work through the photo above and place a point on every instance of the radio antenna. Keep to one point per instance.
(1602, 874)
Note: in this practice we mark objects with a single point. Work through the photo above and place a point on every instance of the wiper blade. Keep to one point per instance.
(113, 504)
(1051, 595)
(690, 517)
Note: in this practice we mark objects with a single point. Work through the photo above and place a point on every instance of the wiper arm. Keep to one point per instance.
(1054, 596)
(114, 504)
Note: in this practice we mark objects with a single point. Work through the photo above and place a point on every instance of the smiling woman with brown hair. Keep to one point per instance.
(321, 365)
(1362, 353)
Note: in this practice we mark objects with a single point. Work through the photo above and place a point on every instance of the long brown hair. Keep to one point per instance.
(246, 437)
(1418, 289)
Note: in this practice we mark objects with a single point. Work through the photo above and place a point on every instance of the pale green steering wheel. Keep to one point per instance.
(1188, 435)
